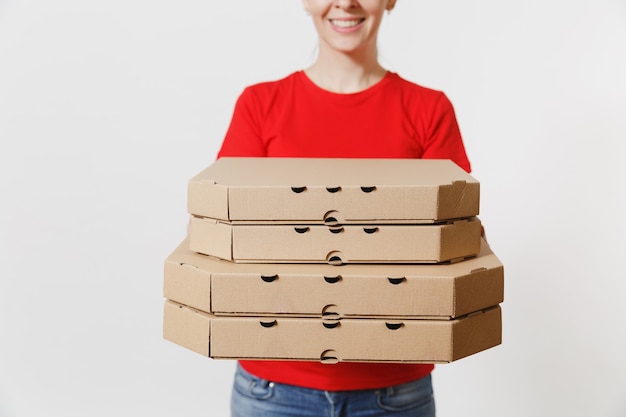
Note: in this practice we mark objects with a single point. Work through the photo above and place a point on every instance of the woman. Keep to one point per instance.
(344, 105)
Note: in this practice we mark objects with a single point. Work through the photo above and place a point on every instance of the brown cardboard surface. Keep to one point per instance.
(377, 340)
(394, 290)
(341, 190)
(186, 327)
(424, 243)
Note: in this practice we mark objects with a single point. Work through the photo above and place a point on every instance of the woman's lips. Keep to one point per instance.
(346, 25)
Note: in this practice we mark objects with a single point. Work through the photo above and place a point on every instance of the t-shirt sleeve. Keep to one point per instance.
(444, 137)
(243, 137)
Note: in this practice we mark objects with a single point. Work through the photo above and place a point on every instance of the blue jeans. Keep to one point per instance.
(256, 397)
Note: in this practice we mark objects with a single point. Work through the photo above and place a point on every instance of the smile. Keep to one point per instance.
(346, 23)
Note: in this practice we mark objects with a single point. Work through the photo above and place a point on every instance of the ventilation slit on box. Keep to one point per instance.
(298, 190)
(269, 278)
(268, 323)
(394, 326)
(396, 281)
(333, 280)
(330, 313)
(333, 189)
(301, 229)
(335, 260)
(370, 230)
(368, 189)
(329, 357)
(333, 218)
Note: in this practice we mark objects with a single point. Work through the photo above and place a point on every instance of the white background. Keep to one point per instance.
(108, 108)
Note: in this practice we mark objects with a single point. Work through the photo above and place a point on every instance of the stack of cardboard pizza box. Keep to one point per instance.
(363, 260)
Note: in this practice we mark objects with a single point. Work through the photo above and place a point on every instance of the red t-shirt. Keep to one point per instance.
(293, 117)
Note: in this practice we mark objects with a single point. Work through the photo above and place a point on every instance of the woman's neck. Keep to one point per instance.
(345, 73)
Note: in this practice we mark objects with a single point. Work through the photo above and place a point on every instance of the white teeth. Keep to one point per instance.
(346, 23)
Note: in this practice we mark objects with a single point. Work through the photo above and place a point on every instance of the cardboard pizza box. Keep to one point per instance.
(414, 243)
(333, 191)
(394, 290)
(343, 340)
